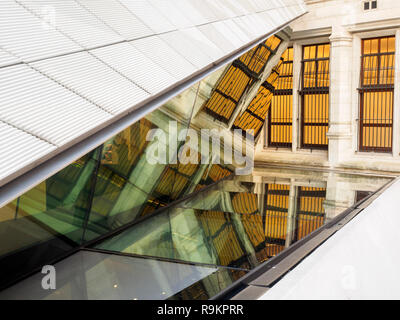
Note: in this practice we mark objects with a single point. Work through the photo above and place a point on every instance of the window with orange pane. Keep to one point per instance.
(281, 110)
(310, 213)
(243, 73)
(376, 94)
(315, 96)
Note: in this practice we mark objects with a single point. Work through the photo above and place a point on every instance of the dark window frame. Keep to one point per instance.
(311, 91)
(371, 88)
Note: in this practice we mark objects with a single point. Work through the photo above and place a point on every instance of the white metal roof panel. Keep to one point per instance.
(241, 35)
(223, 28)
(118, 17)
(74, 21)
(29, 37)
(19, 149)
(149, 15)
(218, 38)
(36, 104)
(195, 16)
(249, 6)
(94, 80)
(203, 7)
(173, 13)
(227, 11)
(248, 27)
(165, 56)
(130, 62)
(187, 49)
(7, 59)
(196, 37)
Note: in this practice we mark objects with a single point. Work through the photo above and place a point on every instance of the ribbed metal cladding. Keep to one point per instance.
(29, 37)
(94, 80)
(173, 13)
(74, 21)
(38, 105)
(189, 50)
(214, 51)
(150, 15)
(6, 59)
(217, 37)
(118, 17)
(130, 62)
(165, 56)
(22, 149)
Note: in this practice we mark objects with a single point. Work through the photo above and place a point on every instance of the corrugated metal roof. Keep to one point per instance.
(19, 149)
(173, 12)
(118, 17)
(6, 59)
(189, 50)
(92, 79)
(38, 105)
(219, 38)
(165, 56)
(80, 67)
(29, 37)
(134, 65)
(152, 17)
(74, 21)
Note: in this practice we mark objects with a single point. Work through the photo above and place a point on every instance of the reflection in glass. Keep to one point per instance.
(98, 276)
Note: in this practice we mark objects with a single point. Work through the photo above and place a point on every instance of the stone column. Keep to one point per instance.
(339, 133)
(291, 217)
(339, 196)
(297, 57)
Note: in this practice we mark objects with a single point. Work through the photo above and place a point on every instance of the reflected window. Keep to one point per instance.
(253, 117)
(243, 73)
(310, 211)
(281, 111)
(376, 94)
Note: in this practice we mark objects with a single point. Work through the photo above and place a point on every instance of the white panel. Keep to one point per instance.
(19, 149)
(191, 12)
(241, 35)
(118, 17)
(165, 56)
(260, 5)
(224, 7)
(360, 261)
(74, 21)
(172, 12)
(137, 67)
(34, 103)
(248, 5)
(235, 7)
(202, 6)
(7, 59)
(149, 15)
(217, 37)
(204, 44)
(218, 11)
(186, 48)
(28, 37)
(247, 26)
(222, 27)
(94, 80)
